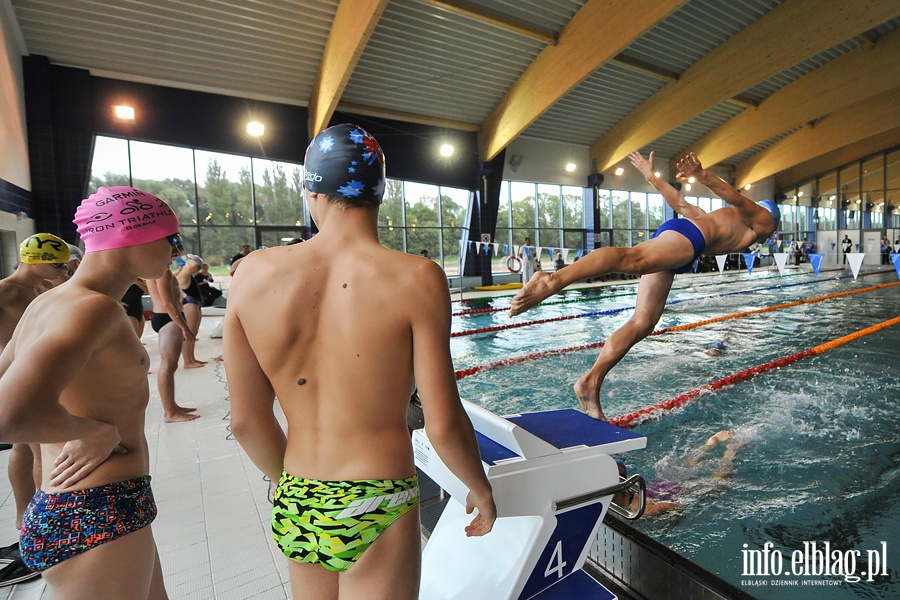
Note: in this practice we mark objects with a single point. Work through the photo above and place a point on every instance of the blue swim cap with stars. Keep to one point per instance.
(345, 161)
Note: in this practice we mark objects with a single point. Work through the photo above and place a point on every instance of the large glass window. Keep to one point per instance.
(224, 189)
(110, 164)
(655, 211)
(278, 191)
(167, 172)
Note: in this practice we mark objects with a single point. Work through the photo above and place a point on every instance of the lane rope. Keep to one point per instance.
(463, 373)
(594, 298)
(613, 311)
(654, 411)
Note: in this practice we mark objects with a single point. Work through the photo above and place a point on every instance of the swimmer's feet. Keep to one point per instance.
(194, 364)
(540, 287)
(721, 436)
(179, 417)
(589, 398)
(187, 409)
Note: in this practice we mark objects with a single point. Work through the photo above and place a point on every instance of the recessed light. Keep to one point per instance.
(446, 150)
(255, 128)
(124, 112)
(619, 171)
(570, 167)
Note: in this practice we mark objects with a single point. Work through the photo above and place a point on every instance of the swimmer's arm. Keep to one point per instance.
(253, 419)
(160, 289)
(690, 166)
(34, 376)
(446, 422)
(672, 196)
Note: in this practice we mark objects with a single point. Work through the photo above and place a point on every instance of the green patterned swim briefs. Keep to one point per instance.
(333, 522)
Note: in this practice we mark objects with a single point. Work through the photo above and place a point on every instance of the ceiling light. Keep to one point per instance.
(748, 186)
(619, 171)
(688, 187)
(255, 128)
(800, 193)
(656, 174)
(446, 150)
(124, 112)
(833, 198)
(570, 167)
(691, 179)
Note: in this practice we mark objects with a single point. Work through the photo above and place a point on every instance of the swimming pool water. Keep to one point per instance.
(822, 459)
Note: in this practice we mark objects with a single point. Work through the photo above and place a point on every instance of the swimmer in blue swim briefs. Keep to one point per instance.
(672, 249)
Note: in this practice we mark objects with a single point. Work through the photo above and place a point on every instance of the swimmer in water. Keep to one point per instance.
(718, 349)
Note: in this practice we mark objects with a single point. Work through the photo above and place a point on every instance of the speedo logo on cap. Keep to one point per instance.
(313, 177)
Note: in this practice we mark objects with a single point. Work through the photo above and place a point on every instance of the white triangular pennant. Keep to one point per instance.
(565, 254)
(720, 260)
(780, 261)
(855, 259)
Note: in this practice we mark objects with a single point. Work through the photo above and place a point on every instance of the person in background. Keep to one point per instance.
(424, 254)
(846, 246)
(885, 251)
(43, 261)
(671, 250)
(528, 257)
(205, 279)
(341, 330)
(560, 263)
(245, 250)
(191, 305)
(133, 302)
(169, 322)
(75, 256)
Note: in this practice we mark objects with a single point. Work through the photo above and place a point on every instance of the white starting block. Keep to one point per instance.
(545, 469)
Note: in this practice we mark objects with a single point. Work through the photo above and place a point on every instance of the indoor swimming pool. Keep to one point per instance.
(821, 462)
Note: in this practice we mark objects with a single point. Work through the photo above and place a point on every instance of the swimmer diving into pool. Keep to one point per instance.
(671, 250)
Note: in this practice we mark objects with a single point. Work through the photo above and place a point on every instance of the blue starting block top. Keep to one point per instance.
(568, 428)
(564, 428)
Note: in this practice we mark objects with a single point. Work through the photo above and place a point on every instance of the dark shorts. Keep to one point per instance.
(688, 230)
(57, 527)
(160, 320)
(134, 305)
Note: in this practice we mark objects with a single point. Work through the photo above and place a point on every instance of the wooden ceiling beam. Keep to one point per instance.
(351, 29)
(850, 125)
(786, 35)
(485, 16)
(867, 71)
(807, 170)
(558, 69)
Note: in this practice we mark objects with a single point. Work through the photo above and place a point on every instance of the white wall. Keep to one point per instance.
(544, 162)
(13, 138)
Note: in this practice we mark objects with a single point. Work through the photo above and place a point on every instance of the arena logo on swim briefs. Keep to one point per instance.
(816, 564)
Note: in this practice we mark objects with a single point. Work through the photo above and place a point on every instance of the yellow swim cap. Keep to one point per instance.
(43, 248)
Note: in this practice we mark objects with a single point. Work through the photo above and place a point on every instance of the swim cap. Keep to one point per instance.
(75, 252)
(194, 259)
(42, 248)
(773, 210)
(344, 160)
(120, 217)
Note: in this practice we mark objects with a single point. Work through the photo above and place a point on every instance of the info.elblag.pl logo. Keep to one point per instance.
(816, 560)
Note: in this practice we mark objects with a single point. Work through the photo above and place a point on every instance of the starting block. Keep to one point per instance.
(553, 479)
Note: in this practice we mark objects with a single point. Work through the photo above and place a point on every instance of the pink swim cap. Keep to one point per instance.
(122, 216)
